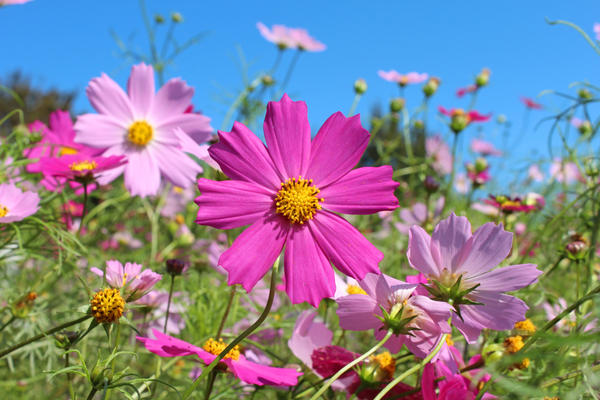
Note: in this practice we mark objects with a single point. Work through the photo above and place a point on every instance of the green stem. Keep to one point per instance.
(354, 104)
(288, 75)
(241, 337)
(412, 370)
(10, 321)
(169, 302)
(348, 366)
(406, 133)
(92, 393)
(84, 212)
(452, 173)
(43, 335)
(226, 313)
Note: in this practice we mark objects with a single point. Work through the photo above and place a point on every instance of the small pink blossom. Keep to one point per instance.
(15, 204)
(418, 215)
(484, 148)
(532, 105)
(403, 79)
(436, 148)
(80, 167)
(565, 171)
(130, 277)
(597, 30)
(293, 38)
(467, 89)
(12, 2)
(534, 173)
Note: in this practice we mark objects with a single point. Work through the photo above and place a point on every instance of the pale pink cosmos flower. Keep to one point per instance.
(484, 148)
(570, 321)
(453, 256)
(234, 361)
(344, 285)
(534, 173)
(307, 336)
(142, 126)
(290, 192)
(436, 148)
(418, 215)
(130, 277)
(461, 183)
(15, 204)
(565, 171)
(402, 79)
(597, 30)
(12, 2)
(293, 38)
(155, 303)
(359, 312)
(486, 209)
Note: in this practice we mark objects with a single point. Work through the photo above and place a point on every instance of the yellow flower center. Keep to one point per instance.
(107, 306)
(386, 363)
(297, 200)
(354, 289)
(177, 189)
(81, 166)
(216, 347)
(64, 151)
(179, 218)
(526, 326)
(3, 211)
(140, 133)
(449, 341)
(513, 344)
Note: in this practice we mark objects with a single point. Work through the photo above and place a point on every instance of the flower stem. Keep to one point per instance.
(85, 198)
(10, 321)
(452, 173)
(169, 303)
(348, 366)
(227, 309)
(412, 370)
(238, 339)
(354, 104)
(43, 335)
(92, 393)
(288, 74)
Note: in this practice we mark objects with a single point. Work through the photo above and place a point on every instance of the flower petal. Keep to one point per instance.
(195, 125)
(231, 204)
(307, 336)
(507, 279)
(308, 273)
(364, 190)
(258, 374)
(99, 130)
(344, 245)
(449, 236)
(499, 311)
(175, 165)
(107, 97)
(140, 88)
(254, 251)
(241, 155)
(488, 247)
(168, 346)
(287, 133)
(173, 98)
(420, 253)
(142, 175)
(337, 148)
(357, 312)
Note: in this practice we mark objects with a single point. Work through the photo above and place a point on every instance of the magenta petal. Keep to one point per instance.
(142, 175)
(241, 155)
(419, 252)
(364, 190)
(173, 98)
(140, 88)
(345, 246)
(168, 346)
(507, 279)
(99, 130)
(107, 97)
(337, 148)
(258, 374)
(287, 133)
(449, 237)
(357, 312)
(488, 247)
(231, 204)
(254, 251)
(308, 274)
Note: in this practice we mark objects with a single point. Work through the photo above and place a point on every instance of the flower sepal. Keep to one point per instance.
(396, 320)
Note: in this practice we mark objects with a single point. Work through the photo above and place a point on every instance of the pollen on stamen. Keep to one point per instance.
(81, 166)
(216, 347)
(297, 200)
(3, 211)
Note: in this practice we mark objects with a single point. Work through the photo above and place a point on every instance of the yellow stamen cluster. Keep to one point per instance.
(81, 166)
(107, 305)
(297, 200)
(140, 133)
(449, 341)
(354, 289)
(65, 151)
(3, 211)
(216, 347)
(527, 327)
(179, 218)
(513, 344)
(386, 363)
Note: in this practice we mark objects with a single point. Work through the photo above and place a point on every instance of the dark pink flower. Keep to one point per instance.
(80, 167)
(509, 205)
(532, 105)
(459, 119)
(467, 89)
(289, 193)
(247, 371)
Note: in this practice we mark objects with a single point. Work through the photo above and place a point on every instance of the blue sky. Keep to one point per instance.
(66, 43)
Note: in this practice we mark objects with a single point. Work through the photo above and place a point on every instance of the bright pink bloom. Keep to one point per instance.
(293, 38)
(436, 148)
(15, 204)
(471, 116)
(289, 192)
(81, 166)
(245, 370)
(532, 105)
(477, 177)
(484, 148)
(453, 386)
(509, 205)
(452, 253)
(142, 126)
(403, 79)
(467, 89)
(358, 312)
(131, 277)
(565, 171)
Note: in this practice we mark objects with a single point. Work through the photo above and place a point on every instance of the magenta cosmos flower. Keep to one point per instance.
(289, 192)
(80, 167)
(529, 103)
(293, 38)
(142, 126)
(467, 89)
(425, 318)
(402, 79)
(136, 283)
(15, 204)
(459, 266)
(247, 371)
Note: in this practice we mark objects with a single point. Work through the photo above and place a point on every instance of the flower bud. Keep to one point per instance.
(159, 19)
(577, 247)
(267, 80)
(176, 17)
(585, 94)
(431, 86)
(419, 125)
(481, 164)
(101, 376)
(360, 86)
(431, 185)
(65, 339)
(397, 104)
(175, 266)
(459, 121)
(23, 306)
(592, 169)
(585, 128)
(483, 78)
(501, 119)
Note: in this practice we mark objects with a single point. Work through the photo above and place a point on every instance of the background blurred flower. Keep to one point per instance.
(293, 38)
(403, 79)
(484, 148)
(529, 103)
(15, 204)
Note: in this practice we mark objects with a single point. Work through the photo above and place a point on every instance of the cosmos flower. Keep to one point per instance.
(460, 266)
(484, 148)
(508, 205)
(459, 119)
(467, 89)
(293, 38)
(436, 148)
(16, 204)
(80, 167)
(530, 104)
(402, 79)
(565, 171)
(12, 2)
(534, 173)
(291, 190)
(136, 283)
(597, 30)
(418, 215)
(234, 361)
(142, 126)
(452, 385)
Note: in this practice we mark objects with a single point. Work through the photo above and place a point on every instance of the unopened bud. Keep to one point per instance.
(65, 339)
(176, 17)
(592, 169)
(397, 104)
(459, 121)
(577, 247)
(585, 128)
(585, 94)
(159, 19)
(483, 78)
(176, 266)
(481, 164)
(431, 185)
(267, 80)
(360, 86)
(101, 376)
(419, 125)
(431, 86)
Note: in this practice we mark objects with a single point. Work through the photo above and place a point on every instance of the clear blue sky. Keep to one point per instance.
(66, 43)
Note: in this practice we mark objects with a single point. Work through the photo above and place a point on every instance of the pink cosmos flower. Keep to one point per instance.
(477, 177)
(142, 126)
(461, 183)
(570, 321)
(293, 38)
(471, 116)
(459, 265)
(289, 192)
(565, 171)
(80, 167)
(426, 318)
(155, 303)
(15, 204)
(529, 103)
(452, 386)
(11, 2)
(417, 215)
(403, 79)
(131, 277)
(535, 174)
(486, 209)
(484, 148)
(467, 89)
(509, 205)
(236, 363)
(597, 30)
(436, 148)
